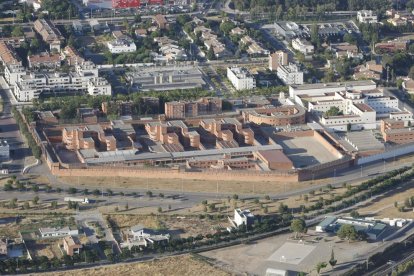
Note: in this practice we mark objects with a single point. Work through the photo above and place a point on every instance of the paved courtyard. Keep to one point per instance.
(306, 151)
(291, 253)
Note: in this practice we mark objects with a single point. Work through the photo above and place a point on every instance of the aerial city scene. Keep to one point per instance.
(207, 137)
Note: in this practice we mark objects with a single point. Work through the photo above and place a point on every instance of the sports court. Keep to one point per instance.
(291, 253)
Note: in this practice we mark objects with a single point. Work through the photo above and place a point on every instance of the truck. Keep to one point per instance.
(82, 200)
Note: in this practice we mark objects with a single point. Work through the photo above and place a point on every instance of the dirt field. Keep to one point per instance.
(179, 266)
(384, 208)
(182, 226)
(190, 185)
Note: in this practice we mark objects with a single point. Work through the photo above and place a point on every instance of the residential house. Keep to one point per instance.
(58, 232)
(71, 245)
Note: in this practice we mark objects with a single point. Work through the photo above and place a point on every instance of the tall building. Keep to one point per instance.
(278, 58)
(181, 110)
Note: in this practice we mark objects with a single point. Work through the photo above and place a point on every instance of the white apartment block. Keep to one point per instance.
(99, 86)
(13, 72)
(121, 46)
(241, 78)
(367, 16)
(290, 74)
(30, 86)
(303, 46)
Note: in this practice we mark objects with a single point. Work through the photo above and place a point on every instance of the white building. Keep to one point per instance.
(58, 232)
(367, 16)
(4, 150)
(359, 109)
(121, 46)
(141, 236)
(99, 86)
(290, 74)
(303, 46)
(243, 217)
(30, 86)
(241, 78)
(322, 88)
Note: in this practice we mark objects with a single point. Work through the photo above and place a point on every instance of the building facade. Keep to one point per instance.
(241, 78)
(290, 74)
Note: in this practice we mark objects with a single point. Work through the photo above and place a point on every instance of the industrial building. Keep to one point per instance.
(165, 78)
(373, 229)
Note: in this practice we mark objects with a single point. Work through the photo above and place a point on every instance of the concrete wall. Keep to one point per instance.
(176, 174)
(390, 153)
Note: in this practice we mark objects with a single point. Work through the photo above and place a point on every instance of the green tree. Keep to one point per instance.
(320, 266)
(298, 226)
(26, 205)
(354, 214)
(411, 72)
(17, 31)
(53, 204)
(35, 200)
(210, 54)
(348, 232)
(226, 27)
(159, 209)
(332, 260)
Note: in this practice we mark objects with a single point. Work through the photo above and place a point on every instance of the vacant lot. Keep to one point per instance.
(182, 226)
(179, 266)
(384, 207)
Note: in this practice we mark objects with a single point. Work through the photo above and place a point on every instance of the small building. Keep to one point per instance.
(71, 245)
(87, 115)
(367, 16)
(161, 21)
(121, 46)
(4, 150)
(57, 232)
(373, 229)
(243, 217)
(4, 245)
(143, 236)
(47, 117)
(274, 159)
(303, 46)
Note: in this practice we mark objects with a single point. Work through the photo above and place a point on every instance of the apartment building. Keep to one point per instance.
(30, 86)
(278, 58)
(253, 47)
(13, 67)
(395, 131)
(241, 78)
(72, 56)
(367, 16)
(303, 46)
(290, 74)
(121, 46)
(345, 50)
(183, 109)
(211, 40)
(99, 86)
(49, 33)
(44, 60)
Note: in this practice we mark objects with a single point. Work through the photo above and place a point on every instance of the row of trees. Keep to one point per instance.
(36, 151)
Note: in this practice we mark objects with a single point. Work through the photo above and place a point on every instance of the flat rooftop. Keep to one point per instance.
(332, 84)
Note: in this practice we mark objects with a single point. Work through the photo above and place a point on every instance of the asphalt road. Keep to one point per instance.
(9, 131)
